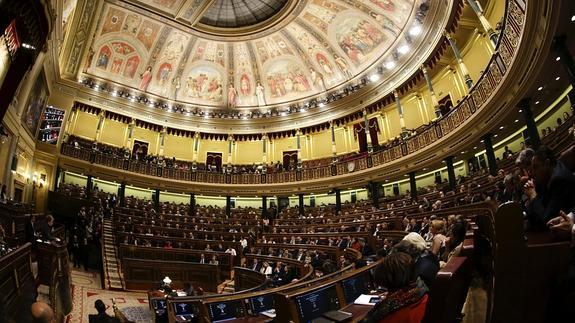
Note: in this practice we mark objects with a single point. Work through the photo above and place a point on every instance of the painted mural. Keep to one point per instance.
(35, 104)
(328, 43)
(204, 83)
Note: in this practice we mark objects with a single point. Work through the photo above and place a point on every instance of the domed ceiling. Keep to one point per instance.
(186, 52)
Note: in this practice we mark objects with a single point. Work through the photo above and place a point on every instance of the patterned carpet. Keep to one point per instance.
(86, 290)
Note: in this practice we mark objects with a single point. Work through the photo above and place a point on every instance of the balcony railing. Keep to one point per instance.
(465, 109)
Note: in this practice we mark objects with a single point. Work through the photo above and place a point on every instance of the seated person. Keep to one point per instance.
(407, 296)
(426, 266)
(551, 189)
(102, 316)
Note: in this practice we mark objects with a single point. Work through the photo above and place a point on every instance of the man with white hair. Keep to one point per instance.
(426, 266)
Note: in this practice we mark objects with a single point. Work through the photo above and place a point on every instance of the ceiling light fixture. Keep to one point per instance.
(403, 49)
(558, 58)
(536, 103)
(373, 78)
(540, 88)
(501, 128)
(321, 104)
(557, 78)
(389, 65)
(416, 30)
(573, 18)
(516, 120)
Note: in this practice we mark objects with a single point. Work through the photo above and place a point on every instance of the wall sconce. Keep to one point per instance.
(38, 180)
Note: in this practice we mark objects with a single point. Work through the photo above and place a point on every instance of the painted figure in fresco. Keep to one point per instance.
(103, 58)
(385, 22)
(176, 84)
(232, 96)
(384, 4)
(116, 66)
(146, 77)
(342, 64)
(131, 66)
(317, 79)
(260, 94)
(245, 84)
(89, 59)
(324, 63)
(164, 73)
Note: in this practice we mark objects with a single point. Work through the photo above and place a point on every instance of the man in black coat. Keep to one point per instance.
(551, 189)
(102, 316)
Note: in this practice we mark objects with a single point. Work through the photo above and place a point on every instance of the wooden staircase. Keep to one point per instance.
(113, 277)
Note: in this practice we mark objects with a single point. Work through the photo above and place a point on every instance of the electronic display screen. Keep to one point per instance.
(183, 309)
(262, 303)
(353, 287)
(225, 310)
(159, 304)
(314, 304)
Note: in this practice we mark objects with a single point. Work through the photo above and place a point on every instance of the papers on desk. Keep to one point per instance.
(365, 299)
(269, 313)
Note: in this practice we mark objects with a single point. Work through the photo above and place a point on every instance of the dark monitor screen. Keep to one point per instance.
(262, 303)
(225, 310)
(183, 309)
(312, 305)
(355, 286)
(159, 304)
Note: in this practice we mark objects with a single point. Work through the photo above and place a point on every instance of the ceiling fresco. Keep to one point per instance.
(328, 43)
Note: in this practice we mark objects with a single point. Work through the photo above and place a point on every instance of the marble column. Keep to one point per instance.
(462, 66)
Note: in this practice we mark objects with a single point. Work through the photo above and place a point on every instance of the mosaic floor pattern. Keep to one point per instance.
(86, 290)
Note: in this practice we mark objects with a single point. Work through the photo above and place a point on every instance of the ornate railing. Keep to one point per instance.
(479, 94)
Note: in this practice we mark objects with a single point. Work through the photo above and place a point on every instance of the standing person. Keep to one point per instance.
(75, 251)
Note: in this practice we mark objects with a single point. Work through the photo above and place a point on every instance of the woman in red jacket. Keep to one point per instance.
(407, 295)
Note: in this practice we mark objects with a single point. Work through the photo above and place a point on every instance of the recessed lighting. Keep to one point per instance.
(536, 103)
(558, 58)
(206, 116)
(501, 128)
(495, 136)
(557, 78)
(573, 18)
(521, 110)
(474, 147)
(373, 78)
(283, 114)
(540, 88)
(516, 120)
(481, 141)
(462, 152)
(389, 65)
(416, 30)
(403, 49)
(321, 104)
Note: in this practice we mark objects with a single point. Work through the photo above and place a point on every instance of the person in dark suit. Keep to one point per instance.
(102, 316)
(46, 229)
(550, 190)
(189, 289)
(31, 229)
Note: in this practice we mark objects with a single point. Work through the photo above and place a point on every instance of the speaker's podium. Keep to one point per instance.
(54, 271)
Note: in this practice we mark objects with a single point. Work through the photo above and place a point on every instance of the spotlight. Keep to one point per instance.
(415, 30)
(403, 49)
